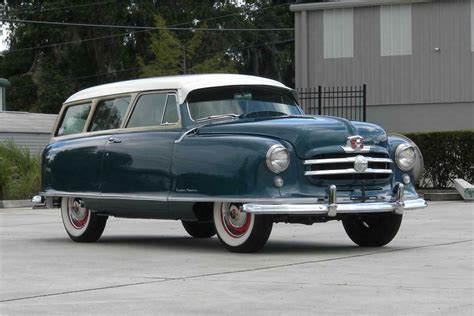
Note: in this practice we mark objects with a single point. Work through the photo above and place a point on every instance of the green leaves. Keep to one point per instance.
(20, 173)
(447, 156)
(171, 55)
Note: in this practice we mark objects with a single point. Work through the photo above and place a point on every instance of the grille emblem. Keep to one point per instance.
(355, 142)
(360, 164)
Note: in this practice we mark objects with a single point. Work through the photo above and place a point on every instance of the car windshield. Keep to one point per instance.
(243, 101)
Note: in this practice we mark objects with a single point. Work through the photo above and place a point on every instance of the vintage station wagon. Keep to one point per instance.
(225, 154)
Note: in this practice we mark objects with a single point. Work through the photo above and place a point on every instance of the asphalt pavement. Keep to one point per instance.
(153, 267)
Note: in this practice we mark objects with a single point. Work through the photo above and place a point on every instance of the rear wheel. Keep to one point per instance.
(372, 230)
(80, 223)
(239, 231)
(199, 229)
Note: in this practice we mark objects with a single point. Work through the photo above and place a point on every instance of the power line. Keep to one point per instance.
(234, 14)
(148, 27)
(135, 32)
(138, 68)
(31, 10)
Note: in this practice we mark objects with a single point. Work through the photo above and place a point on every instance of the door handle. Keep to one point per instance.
(113, 140)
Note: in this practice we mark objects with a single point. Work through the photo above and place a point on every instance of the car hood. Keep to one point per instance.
(306, 133)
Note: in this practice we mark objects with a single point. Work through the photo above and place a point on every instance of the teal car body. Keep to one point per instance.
(177, 170)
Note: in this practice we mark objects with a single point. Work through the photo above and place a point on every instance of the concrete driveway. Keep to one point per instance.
(150, 267)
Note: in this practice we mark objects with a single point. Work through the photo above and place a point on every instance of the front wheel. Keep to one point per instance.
(239, 231)
(80, 223)
(372, 230)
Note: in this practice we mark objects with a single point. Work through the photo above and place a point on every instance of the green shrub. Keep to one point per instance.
(20, 172)
(447, 156)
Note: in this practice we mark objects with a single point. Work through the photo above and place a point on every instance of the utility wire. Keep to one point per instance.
(39, 10)
(134, 32)
(138, 68)
(135, 27)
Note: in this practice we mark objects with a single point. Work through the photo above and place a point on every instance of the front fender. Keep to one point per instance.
(394, 140)
(222, 166)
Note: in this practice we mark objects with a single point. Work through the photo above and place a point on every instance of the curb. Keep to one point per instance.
(15, 203)
(440, 195)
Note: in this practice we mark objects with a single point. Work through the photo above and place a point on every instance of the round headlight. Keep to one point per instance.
(278, 158)
(405, 157)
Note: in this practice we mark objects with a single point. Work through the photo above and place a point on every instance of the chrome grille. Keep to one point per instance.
(340, 166)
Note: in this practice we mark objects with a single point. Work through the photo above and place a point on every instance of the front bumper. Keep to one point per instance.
(331, 208)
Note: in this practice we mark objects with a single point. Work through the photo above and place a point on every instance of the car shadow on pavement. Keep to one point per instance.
(213, 245)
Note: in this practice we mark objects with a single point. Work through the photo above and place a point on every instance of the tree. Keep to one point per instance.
(44, 72)
(172, 56)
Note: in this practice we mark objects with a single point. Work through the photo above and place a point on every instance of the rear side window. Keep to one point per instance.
(74, 119)
(109, 114)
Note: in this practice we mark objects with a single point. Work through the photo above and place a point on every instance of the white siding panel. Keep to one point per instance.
(472, 25)
(338, 33)
(395, 30)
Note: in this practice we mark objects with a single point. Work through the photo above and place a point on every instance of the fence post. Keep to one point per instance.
(320, 99)
(364, 102)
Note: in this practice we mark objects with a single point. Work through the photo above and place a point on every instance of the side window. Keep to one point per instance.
(150, 110)
(109, 114)
(74, 119)
(171, 112)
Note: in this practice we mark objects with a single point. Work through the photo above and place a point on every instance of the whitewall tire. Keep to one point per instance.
(80, 223)
(239, 231)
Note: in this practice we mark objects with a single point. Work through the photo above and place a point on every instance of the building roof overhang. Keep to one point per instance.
(339, 4)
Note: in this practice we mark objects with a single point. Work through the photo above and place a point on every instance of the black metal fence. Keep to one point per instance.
(347, 102)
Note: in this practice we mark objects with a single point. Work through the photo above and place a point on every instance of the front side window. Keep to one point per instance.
(148, 110)
(244, 101)
(171, 111)
(109, 114)
(74, 119)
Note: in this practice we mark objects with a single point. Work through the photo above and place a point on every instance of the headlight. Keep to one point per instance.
(278, 158)
(405, 157)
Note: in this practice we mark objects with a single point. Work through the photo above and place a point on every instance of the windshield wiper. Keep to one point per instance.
(211, 117)
(261, 114)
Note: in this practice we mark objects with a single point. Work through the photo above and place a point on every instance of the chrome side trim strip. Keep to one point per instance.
(346, 171)
(188, 132)
(110, 196)
(342, 160)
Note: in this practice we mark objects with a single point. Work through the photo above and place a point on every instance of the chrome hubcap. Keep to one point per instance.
(235, 222)
(78, 214)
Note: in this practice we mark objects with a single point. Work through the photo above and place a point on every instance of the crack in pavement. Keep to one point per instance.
(233, 271)
(30, 224)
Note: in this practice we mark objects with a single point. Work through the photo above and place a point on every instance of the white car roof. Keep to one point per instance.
(183, 84)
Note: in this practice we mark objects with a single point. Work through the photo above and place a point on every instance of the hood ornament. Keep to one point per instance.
(355, 144)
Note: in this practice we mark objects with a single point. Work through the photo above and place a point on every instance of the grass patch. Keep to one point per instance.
(20, 172)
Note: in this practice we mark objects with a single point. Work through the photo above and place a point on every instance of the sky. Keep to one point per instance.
(3, 35)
